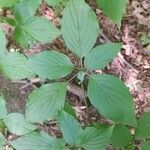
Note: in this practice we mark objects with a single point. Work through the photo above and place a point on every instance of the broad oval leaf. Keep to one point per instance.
(96, 139)
(15, 66)
(51, 65)
(22, 37)
(131, 147)
(35, 141)
(3, 110)
(114, 9)
(143, 127)
(33, 5)
(121, 136)
(69, 109)
(70, 128)
(7, 3)
(145, 145)
(112, 99)
(54, 2)
(2, 142)
(89, 138)
(25, 10)
(79, 27)
(41, 30)
(3, 42)
(17, 124)
(44, 103)
(100, 56)
(22, 13)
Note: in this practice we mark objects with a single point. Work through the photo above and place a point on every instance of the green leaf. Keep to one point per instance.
(41, 30)
(80, 76)
(145, 145)
(79, 27)
(53, 2)
(143, 127)
(26, 10)
(22, 12)
(121, 136)
(10, 21)
(112, 99)
(3, 42)
(21, 37)
(3, 110)
(2, 125)
(17, 124)
(90, 138)
(2, 141)
(145, 39)
(51, 65)
(68, 108)
(96, 139)
(33, 5)
(101, 56)
(57, 3)
(130, 147)
(70, 128)
(36, 29)
(35, 141)
(7, 3)
(15, 66)
(114, 9)
(45, 102)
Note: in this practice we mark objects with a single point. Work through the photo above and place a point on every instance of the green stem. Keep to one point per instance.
(71, 79)
(80, 69)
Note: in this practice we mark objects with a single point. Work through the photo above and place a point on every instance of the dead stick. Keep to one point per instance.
(76, 90)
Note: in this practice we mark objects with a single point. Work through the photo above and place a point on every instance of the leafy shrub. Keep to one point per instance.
(107, 93)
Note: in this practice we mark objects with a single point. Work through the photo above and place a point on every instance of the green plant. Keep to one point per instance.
(107, 93)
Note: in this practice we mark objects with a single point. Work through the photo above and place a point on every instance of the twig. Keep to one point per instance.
(85, 101)
(71, 79)
(76, 90)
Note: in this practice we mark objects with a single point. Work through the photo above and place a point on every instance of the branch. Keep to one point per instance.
(76, 90)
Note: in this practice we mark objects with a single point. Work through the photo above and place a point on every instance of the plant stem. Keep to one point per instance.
(80, 69)
(71, 78)
(85, 101)
(82, 87)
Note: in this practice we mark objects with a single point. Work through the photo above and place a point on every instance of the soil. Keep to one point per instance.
(15, 94)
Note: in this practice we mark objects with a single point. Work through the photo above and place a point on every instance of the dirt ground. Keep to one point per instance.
(15, 94)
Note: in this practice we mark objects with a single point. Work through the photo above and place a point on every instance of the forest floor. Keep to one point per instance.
(132, 64)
